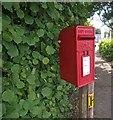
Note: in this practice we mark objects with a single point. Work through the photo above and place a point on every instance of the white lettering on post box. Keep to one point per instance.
(86, 65)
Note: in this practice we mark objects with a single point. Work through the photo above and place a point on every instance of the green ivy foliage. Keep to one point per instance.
(106, 49)
(31, 81)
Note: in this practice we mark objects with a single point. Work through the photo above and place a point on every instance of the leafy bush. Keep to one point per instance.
(106, 49)
(31, 82)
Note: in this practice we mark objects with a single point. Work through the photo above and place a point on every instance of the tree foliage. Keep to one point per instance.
(106, 10)
(31, 81)
(98, 31)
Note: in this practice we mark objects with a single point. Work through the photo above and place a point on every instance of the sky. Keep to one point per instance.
(97, 23)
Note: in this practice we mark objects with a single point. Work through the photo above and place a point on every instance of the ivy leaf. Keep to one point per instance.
(12, 30)
(50, 50)
(54, 67)
(21, 102)
(36, 39)
(43, 45)
(35, 54)
(8, 96)
(20, 13)
(40, 33)
(36, 101)
(59, 87)
(45, 60)
(17, 39)
(7, 36)
(20, 84)
(46, 114)
(5, 20)
(23, 112)
(44, 5)
(50, 35)
(53, 112)
(36, 110)
(54, 14)
(13, 114)
(34, 7)
(20, 30)
(46, 92)
(58, 95)
(35, 62)
(31, 79)
(49, 26)
(43, 75)
(32, 95)
(62, 109)
(29, 40)
(29, 19)
(13, 51)
(16, 36)
(39, 23)
(26, 105)
(23, 74)
(23, 48)
(58, 6)
(8, 6)
(15, 68)
(16, 5)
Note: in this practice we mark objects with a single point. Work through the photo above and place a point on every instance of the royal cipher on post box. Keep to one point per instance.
(77, 55)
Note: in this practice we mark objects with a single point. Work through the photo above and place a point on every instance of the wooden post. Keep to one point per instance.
(83, 102)
(86, 101)
(91, 100)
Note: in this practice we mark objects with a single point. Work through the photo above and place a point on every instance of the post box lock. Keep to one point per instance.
(77, 55)
(86, 52)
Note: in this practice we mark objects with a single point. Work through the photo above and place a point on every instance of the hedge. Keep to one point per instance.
(106, 49)
(31, 82)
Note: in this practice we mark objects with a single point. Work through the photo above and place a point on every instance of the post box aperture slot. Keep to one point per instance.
(86, 37)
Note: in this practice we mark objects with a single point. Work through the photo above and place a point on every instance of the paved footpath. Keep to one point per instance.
(102, 88)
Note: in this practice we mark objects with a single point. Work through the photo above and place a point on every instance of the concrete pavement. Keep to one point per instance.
(102, 88)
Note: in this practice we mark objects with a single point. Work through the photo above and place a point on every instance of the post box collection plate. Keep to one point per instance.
(86, 65)
(77, 55)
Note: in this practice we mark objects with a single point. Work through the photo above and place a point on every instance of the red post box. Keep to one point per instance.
(77, 55)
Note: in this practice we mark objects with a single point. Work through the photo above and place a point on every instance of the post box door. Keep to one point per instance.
(84, 55)
(85, 68)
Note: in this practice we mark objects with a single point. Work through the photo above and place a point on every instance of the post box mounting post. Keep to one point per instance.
(86, 101)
